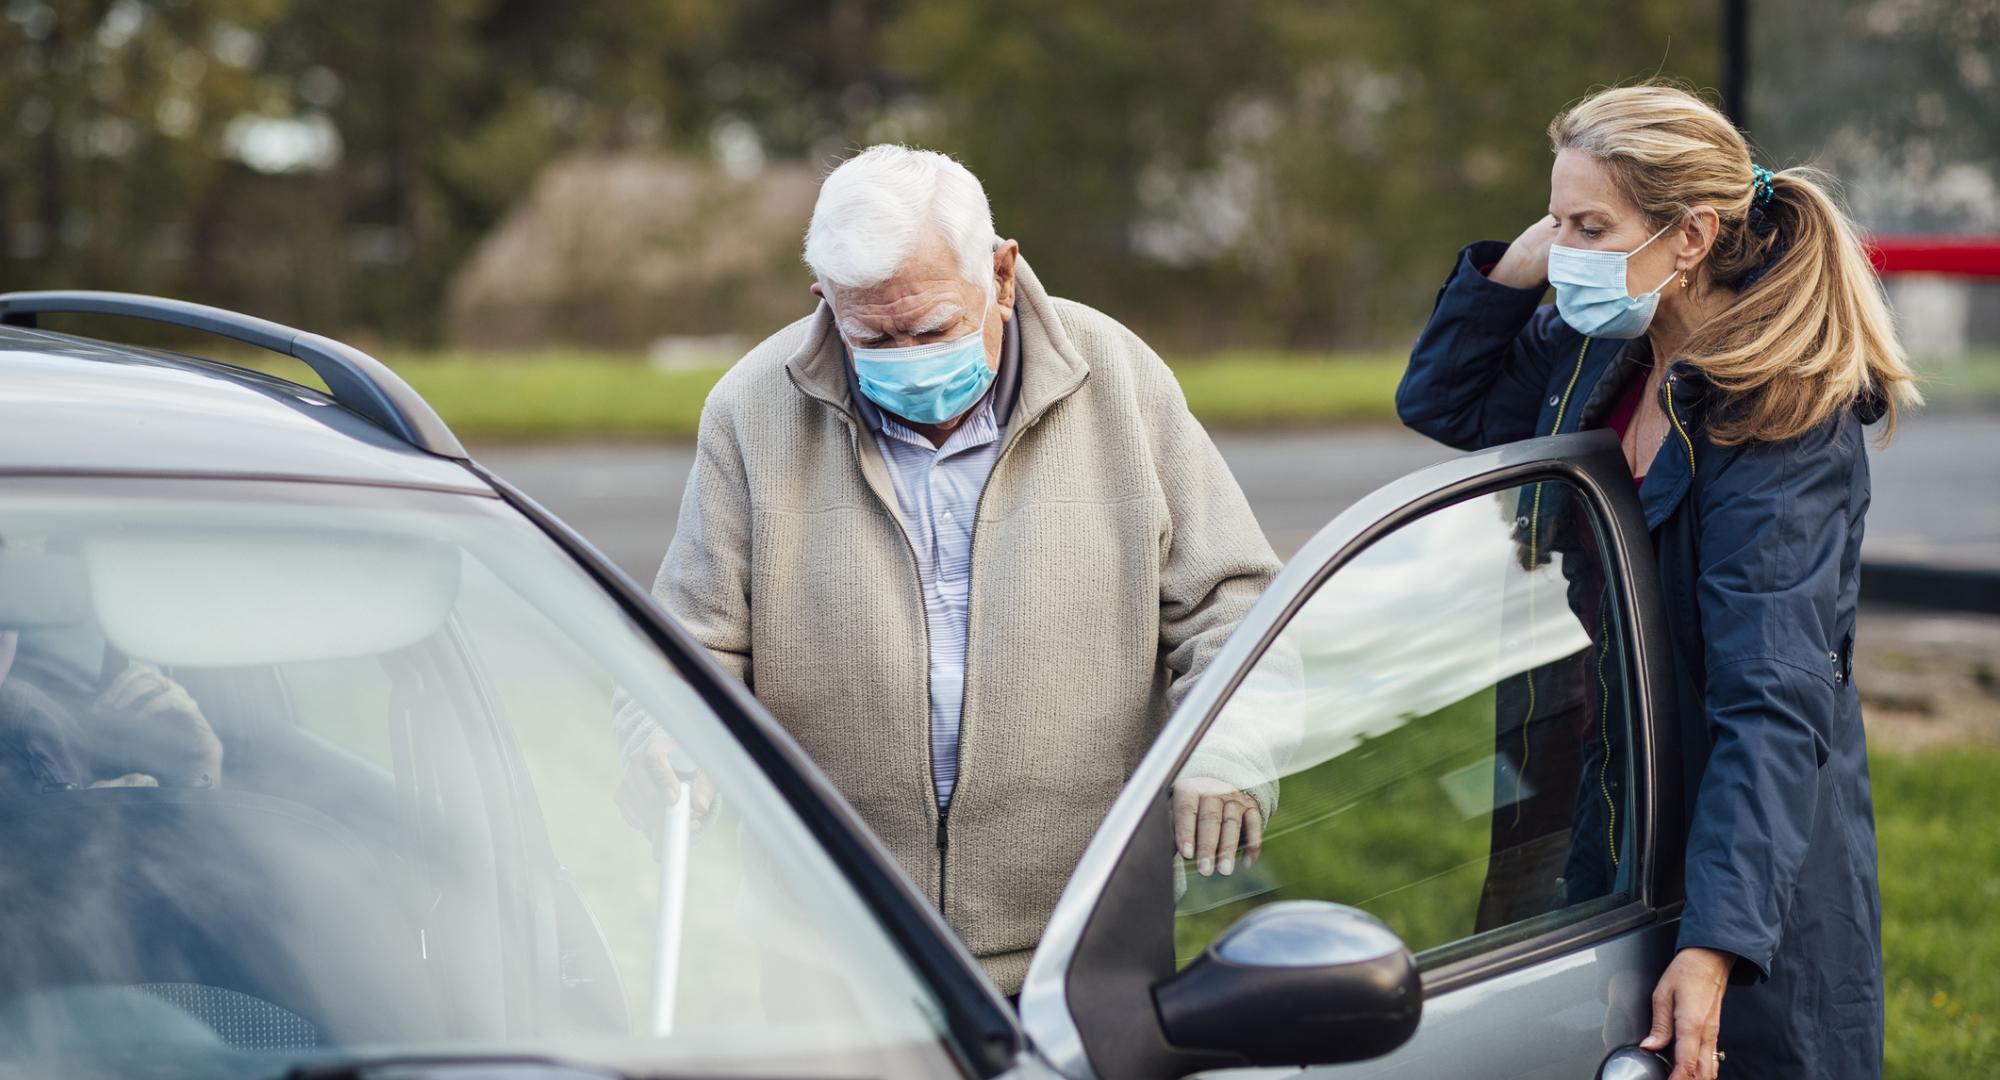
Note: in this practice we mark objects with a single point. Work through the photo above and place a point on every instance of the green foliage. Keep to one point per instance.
(1258, 173)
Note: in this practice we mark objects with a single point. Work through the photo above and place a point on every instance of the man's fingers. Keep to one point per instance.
(1232, 834)
(1184, 807)
(126, 688)
(1253, 835)
(1207, 830)
(171, 699)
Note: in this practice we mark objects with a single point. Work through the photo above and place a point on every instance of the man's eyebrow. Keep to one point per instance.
(939, 317)
(856, 330)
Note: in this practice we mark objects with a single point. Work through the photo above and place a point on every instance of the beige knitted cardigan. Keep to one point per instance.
(1112, 554)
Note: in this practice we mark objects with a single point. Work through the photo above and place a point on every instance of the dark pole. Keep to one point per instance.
(1736, 61)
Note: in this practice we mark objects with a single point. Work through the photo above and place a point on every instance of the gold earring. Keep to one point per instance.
(1684, 279)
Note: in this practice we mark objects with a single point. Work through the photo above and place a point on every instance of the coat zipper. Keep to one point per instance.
(1013, 437)
(1534, 556)
(916, 569)
(979, 505)
(1667, 396)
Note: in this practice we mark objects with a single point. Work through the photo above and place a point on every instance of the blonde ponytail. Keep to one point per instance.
(1808, 333)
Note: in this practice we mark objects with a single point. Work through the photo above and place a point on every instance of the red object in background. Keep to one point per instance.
(1960, 256)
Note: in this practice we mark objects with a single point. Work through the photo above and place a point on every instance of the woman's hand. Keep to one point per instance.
(1687, 1011)
(1526, 264)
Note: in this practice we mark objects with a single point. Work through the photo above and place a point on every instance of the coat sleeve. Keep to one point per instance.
(1772, 530)
(704, 581)
(1214, 564)
(1479, 369)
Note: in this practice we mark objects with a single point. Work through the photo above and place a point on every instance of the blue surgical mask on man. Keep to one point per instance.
(926, 384)
(1591, 294)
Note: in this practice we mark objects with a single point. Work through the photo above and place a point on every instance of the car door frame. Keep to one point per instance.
(1594, 464)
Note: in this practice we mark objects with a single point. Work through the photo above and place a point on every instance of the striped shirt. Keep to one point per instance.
(939, 488)
(937, 491)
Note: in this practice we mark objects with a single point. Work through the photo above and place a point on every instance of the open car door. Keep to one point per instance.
(1444, 708)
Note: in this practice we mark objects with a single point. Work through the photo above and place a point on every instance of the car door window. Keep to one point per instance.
(1440, 734)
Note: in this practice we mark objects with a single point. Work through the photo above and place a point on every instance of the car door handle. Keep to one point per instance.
(1632, 1063)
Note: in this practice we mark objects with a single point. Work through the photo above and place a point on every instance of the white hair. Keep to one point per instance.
(876, 207)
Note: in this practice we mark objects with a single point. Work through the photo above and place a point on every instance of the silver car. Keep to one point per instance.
(307, 769)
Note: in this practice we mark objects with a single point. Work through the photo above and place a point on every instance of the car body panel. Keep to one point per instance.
(72, 405)
(1559, 1018)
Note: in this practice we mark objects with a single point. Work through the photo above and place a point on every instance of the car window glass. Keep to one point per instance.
(1440, 735)
(366, 796)
(344, 701)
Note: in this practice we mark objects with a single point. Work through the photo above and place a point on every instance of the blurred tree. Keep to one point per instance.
(1261, 172)
(1315, 163)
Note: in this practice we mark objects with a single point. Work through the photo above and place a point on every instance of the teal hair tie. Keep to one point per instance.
(1761, 184)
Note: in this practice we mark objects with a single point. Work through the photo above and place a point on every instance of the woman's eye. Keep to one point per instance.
(1591, 234)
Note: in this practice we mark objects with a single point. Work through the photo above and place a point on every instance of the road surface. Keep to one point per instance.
(1937, 489)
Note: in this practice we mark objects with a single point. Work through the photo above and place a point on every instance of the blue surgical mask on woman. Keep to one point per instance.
(1591, 293)
(927, 384)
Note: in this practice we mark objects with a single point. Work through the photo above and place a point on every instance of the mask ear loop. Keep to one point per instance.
(1642, 247)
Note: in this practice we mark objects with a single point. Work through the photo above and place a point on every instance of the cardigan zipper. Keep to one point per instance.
(1012, 437)
(916, 569)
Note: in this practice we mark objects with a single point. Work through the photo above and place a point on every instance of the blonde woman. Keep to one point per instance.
(1725, 322)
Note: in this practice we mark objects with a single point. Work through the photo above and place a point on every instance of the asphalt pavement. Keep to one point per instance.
(1936, 489)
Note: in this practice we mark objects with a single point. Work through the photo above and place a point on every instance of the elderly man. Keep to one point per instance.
(968, 545)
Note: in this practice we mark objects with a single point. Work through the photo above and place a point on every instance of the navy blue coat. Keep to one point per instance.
(1758, 549)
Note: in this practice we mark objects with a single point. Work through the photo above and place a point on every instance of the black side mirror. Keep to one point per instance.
(1303, 982)
(1632, 1063)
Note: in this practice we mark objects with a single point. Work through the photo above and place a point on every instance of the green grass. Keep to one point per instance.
(1938, 823)
(581, 395)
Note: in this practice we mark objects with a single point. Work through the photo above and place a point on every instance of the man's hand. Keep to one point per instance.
(1526, 264)
(1687, 1011)
(649, 786)
(153, 722)
(1211, 819)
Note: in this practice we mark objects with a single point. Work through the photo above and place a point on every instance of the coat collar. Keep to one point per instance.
(1051, 367)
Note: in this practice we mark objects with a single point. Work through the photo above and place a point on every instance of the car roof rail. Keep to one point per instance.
(355, 379)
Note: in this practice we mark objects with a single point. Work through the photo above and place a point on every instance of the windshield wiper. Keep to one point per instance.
(370, 1067)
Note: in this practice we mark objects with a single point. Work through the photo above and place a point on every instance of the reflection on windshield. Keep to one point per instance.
(293, 778)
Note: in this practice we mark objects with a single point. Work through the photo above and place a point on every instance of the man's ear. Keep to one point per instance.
(1003, 276)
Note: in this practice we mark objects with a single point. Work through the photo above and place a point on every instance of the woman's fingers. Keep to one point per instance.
(1662, 1030)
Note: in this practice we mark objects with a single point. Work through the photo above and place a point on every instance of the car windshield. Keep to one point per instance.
(311, 773)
